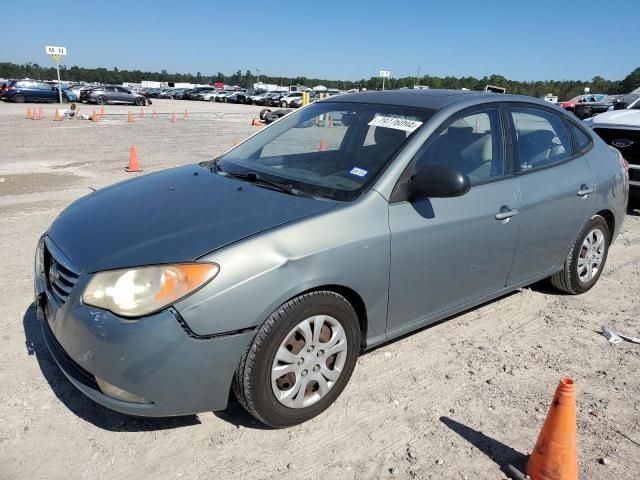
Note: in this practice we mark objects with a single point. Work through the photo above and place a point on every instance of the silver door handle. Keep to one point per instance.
(504, 214)
(584, 190)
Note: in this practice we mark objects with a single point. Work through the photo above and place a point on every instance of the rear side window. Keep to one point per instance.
(582, 139)
(541, 137)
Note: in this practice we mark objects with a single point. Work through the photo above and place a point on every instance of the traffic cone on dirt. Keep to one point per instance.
(186, 114)
(101, 112)
(56, 116)
(134, 166)
(29, 114)
(35, 115)
(94, 116)
(555, 455)
(256, 123)
(323, 147)
(330, 122)
(40, 113)
(130, 117)
(173, 117)
(141, 113)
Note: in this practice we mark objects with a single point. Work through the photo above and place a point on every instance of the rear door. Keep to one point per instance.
(556, 187)
(446, 252)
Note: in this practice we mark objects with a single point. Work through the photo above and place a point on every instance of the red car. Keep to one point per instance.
(571, 104)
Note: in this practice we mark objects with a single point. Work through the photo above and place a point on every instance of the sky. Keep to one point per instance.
(341, 40)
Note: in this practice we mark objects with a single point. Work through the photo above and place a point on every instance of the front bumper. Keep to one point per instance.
(153, 358)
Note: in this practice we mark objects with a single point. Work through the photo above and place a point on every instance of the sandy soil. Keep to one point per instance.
(457, 400)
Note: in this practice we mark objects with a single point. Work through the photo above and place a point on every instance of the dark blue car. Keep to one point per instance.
(20, 91)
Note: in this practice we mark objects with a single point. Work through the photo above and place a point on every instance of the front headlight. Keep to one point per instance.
(134, 292)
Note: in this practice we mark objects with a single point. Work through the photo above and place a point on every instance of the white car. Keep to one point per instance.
(290, 97)
(621, 129)
(211, 96)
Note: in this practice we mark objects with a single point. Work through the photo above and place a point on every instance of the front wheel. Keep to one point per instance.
(587, 258)
(101, 100)
(140, 101)
(300, 360)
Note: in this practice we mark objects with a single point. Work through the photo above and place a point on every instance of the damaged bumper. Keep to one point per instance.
(160, 368)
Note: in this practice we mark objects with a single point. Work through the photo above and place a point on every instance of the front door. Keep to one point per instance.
(446, 252)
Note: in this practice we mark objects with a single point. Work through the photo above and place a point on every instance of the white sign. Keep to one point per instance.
(394, 122)
(55, 50)
(385, 73)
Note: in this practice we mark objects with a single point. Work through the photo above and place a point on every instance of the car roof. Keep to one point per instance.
(432, 99)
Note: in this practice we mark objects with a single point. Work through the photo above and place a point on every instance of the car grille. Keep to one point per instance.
(60, 278)
(631, 153)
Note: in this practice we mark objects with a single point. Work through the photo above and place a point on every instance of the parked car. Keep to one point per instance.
(192, 93)
(245, 97)
(235, 97)
(570, 105)
(621, 129)
(112, 94)
(269, 269)
(254, 99)
(21, 91)
(286, 100)
(589, 109)
(172, 93)
(630, 101)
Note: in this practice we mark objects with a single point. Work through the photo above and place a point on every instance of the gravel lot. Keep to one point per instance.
(456, 400)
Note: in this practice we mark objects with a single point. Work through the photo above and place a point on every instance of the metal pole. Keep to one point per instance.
(382, 83)
(59, 85)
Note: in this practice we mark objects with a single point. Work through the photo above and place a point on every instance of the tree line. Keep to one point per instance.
(563, 88)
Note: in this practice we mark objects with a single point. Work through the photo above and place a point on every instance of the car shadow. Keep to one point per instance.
(77, 402)
(503, 455)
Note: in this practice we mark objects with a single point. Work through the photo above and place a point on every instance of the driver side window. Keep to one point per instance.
(471, 144)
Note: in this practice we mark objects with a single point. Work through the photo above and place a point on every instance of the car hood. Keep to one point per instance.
(176, 215)
(627, 118)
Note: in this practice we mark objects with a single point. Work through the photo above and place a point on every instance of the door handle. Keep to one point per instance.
(506, 213)
(584, 190)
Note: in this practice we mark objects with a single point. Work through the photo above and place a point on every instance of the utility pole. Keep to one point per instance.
(418, 77)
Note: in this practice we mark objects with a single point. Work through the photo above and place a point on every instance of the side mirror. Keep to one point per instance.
(438, 181)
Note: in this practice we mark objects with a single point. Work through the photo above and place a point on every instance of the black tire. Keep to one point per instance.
(19, 98)
(65, 99)
(252, 379)
(567, 279)
(140, 101)
(263, 113)
(283, 104)
(101, 100)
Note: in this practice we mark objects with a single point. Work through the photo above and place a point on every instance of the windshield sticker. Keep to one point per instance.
(358, 172)
(395, 123)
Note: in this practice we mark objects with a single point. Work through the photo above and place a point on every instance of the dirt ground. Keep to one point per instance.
(457, 400)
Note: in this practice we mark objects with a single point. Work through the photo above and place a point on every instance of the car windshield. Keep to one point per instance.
(328, 149)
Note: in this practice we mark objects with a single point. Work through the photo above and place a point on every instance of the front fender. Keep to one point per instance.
(347, 246)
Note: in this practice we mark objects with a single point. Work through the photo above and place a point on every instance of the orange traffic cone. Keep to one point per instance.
(141, 113)
(29, 114)
(56, 116)
(40, 113)
(323, 147)
(186, 114)
(36, 114)
(256, 123)
(101, 112)
(130, 117)
(173, 118)
(555, 455)
(134, 166)
(94, 116)
(330, 122)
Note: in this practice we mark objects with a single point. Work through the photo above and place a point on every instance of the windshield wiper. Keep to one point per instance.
(256, 179)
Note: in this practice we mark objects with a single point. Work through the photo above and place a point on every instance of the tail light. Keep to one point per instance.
(10, 88)
(625, 164)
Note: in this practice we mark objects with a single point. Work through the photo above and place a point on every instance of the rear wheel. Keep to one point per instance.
(300, 360)
(587, 258)
(19, 98)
